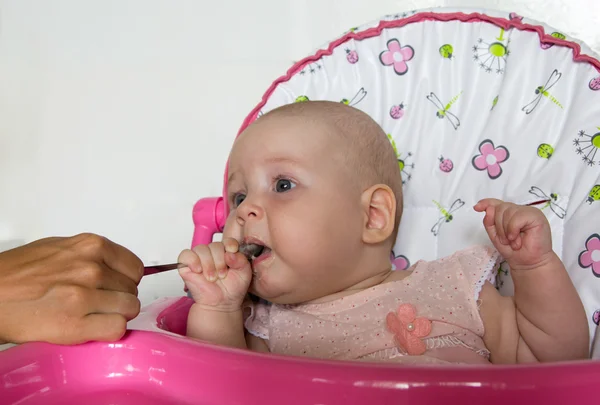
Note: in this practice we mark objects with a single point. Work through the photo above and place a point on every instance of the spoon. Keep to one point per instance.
(250, 250)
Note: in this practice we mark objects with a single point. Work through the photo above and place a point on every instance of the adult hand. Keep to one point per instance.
(68, 290)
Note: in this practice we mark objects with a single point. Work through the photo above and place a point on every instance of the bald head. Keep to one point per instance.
(367, 153)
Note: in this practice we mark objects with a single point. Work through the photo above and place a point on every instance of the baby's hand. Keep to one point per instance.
(520, 233)
(217, 275)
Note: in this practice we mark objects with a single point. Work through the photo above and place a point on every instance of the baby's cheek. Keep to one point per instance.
(340, 230)
(301, 239)
(320, 228)
(232, 228)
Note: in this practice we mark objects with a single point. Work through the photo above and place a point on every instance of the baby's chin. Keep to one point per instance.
(280, 296)
(263, 290)
(280, 284)
(274, 294)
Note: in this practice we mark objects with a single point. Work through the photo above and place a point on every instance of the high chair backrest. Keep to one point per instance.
(476, 105)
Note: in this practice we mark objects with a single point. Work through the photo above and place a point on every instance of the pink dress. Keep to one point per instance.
(432, 317)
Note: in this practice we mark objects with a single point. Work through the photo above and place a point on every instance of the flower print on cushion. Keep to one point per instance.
(397, 56)
(408, 329)
(399, 262)
(590, 257)
(490, 157)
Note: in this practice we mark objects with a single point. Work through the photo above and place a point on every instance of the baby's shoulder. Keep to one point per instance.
(476, 263)
(400, 275)
(470, 256)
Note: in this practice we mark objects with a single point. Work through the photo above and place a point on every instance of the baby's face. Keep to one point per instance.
(289, 191)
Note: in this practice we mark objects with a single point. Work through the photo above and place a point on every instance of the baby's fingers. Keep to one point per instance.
(512, 234)
(236, 261)
(488, 205)
(217, 267)
(519, 222)
(512, 223)
(231, 245)
(484, 204)
(499, 219)
(191, 260)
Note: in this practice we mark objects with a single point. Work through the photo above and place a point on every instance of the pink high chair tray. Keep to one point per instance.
(156, 366)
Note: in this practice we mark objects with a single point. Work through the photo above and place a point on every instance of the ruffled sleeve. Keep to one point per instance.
(256, 318)
(480, 264)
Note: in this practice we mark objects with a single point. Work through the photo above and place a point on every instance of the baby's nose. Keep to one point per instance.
(249, 210)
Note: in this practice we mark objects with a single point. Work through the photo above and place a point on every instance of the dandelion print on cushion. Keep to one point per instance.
(491, 55)
(587, 145)
(403, 162)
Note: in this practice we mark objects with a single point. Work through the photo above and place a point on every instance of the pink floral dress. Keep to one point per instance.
(431, 316)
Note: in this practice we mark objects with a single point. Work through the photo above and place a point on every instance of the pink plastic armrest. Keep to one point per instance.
(209, 218)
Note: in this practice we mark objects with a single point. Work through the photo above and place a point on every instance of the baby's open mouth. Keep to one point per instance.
(253, 250)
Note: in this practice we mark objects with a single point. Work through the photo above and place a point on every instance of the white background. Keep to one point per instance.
(117, 115)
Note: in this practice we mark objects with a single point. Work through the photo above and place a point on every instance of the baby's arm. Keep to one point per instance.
(214, 326)
(218, 277)
(545, 320)
(554, 329)
(256, 344)
(224, 328)
(550, 314)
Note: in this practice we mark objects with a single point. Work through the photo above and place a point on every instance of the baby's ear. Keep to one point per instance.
(379, 207)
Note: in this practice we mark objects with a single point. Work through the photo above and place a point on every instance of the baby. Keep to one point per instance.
(317, 186)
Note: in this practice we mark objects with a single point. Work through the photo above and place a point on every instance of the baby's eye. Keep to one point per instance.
(283, 185)
(238, 199)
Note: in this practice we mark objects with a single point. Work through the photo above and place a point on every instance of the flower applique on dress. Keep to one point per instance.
(408, 329)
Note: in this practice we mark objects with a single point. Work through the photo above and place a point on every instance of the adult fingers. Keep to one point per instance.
(115, 256)
(100, 327)
(113, 302)
(74, 314)
(98, 275)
